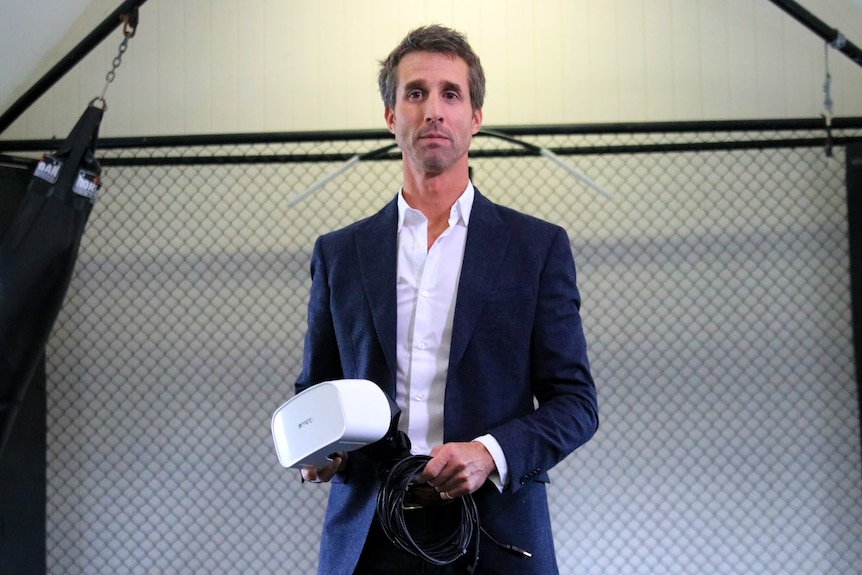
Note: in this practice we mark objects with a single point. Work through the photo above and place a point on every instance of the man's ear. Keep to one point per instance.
(389, 115)
(477, 120)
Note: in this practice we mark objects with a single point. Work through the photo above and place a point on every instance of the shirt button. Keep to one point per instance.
(421, 346)
(419, 397)
(425, 293)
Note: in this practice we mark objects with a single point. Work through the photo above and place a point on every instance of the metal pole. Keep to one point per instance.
(854, 220)
(833, 37)
(102, 31)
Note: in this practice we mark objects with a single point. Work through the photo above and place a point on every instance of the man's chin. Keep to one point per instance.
(436, 160)
(435, 166)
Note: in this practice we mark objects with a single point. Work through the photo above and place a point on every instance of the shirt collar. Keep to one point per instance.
(460, 211)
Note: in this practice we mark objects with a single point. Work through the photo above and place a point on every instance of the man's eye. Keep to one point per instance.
(414, 94)
(451, 95)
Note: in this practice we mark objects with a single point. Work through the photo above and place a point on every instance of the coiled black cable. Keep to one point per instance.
(390, 511)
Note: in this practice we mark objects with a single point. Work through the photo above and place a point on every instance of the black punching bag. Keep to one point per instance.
(37, 258)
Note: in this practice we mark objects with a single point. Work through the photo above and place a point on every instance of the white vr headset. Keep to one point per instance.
(332, 416)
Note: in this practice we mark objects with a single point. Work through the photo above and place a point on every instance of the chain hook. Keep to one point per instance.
(130, 23)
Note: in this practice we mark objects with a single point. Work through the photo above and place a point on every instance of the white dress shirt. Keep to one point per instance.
(427, 286)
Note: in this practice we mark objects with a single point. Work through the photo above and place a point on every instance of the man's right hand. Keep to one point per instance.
(324, 474)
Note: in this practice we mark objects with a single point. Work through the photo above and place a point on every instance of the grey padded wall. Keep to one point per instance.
(715, 299)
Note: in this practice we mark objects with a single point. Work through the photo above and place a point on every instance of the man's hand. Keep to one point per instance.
(324, 474)
(456, 469)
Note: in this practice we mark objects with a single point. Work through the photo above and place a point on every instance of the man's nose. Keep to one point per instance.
(433, 109)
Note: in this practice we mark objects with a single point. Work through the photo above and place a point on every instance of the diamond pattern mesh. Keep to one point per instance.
(716, 305)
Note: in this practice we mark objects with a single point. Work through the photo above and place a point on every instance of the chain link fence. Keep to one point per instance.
(716, 304)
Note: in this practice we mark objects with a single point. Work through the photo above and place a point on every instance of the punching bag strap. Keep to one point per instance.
(80, 144)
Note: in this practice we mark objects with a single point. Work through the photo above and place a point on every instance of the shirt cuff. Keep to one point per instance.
(500, 477)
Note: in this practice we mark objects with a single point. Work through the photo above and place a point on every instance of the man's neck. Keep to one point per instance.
(434, 195)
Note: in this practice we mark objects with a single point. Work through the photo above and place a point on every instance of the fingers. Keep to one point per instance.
(456, 469)
(310, 475)
(444, 459)
(441, 473)
(326, 473)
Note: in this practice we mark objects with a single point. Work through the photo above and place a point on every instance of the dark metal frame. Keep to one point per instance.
(832, 36)
(854, 230)
(126, 12)
(827, 141)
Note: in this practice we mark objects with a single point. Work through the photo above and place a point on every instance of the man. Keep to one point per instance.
(462, 311)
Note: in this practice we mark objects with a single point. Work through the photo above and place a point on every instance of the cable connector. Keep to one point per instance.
(517, 551)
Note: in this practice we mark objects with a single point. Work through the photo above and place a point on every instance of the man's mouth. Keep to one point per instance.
(433, 136)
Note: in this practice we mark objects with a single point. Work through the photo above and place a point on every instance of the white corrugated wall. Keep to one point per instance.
(215, 66)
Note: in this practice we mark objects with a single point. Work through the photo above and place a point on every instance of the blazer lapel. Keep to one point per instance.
(487, 241)
(376, 246)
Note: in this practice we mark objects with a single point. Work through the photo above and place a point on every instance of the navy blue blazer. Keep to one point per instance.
(517, 335)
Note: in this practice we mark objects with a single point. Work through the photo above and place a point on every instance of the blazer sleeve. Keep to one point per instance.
(524, 377)
(560, 379)
(340, 340)
(320, 357)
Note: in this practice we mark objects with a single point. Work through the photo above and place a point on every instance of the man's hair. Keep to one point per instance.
(439, 40)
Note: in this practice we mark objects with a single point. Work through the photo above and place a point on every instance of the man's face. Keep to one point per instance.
(433, 120)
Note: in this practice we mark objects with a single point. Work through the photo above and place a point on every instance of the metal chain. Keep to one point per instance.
(827, 102)
(118, 59)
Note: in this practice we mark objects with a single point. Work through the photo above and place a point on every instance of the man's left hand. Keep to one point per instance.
(456, 469)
